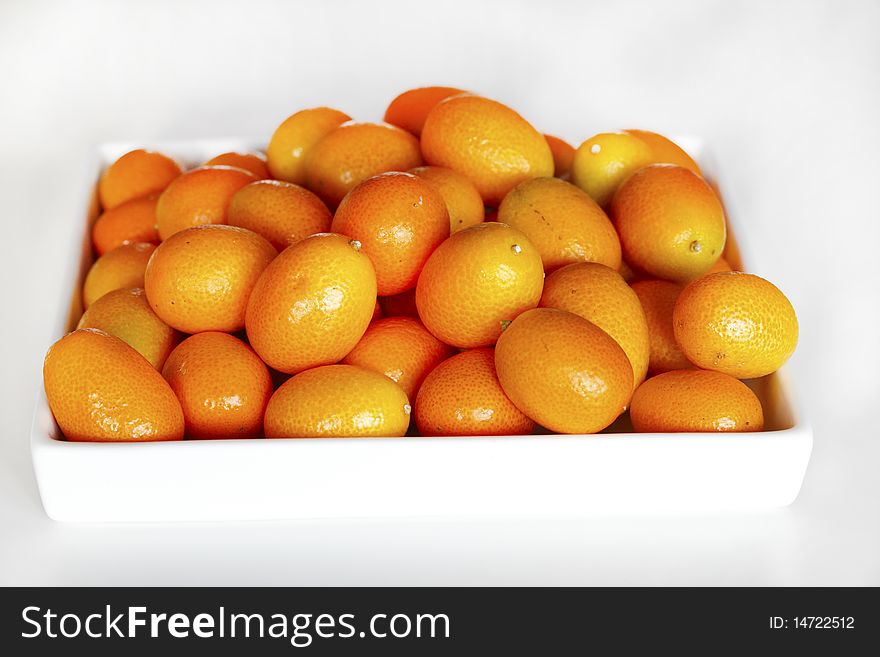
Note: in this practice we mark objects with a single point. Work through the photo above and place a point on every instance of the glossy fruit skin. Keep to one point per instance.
(100, 389)
(563, 371)
(720, 265)
(354, 152)
(410, 109)
(735, 323)
(199, 196)
(126, 314)
(222, 385)
(135, 174)
(312, 304)
(463, 397)
(463, 201)
(658, 299)
(475, 280)
(666, 151)
(695, 400)
(293, 140)
(337, 401)
(562, 221)
(121, 267)
(282, 212)
(563, 156)
(253, 162)
(604, 161)
(402, 349)
(670, 221)
(399, 219)
(599, 294)
(127, 223)
(492, 145)
(200, 279)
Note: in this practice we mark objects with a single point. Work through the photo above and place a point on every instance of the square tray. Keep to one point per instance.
(540, 475)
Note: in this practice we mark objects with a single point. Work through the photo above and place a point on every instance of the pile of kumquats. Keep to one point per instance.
(449, 271)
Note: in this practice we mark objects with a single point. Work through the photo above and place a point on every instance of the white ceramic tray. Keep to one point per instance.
(306, 478)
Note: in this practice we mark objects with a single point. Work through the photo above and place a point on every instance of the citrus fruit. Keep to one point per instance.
(135, 174)
(197, 197)
(399, 219)
(410, 109)
(401, 349)
(200, 279)
(563, 156)
(562, 221)
(125, 313)
(735, 323)
(127, 223)
(666, 151)
(121, 267)
(658, 299)
(695, 400)
(475, 280)
(100, 389)
(604, 161)
(280, 211)
(354, 152)
(222, 385)
(312, 304)
(335, 401)
(253, 162)
(462, 397)
(400, 305)
(492, 145)
(563, 371)
(294, 138)
(599, 294)
(463, 201)
(671, 224)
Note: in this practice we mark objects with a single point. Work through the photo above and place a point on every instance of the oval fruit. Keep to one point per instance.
(604, 161)
(670, 221)
(735, 323)
(137, 173)
(121, 267)
(402, 349)
(126, 314)
(253, 162)
(695, 400)
(399, 220)
(599, 294)
(128, 223)
(294, 139)
(658, 299)
(100, 389)
(563, 371)
(354, 152)
(200, 196)
(281, 212)
(410, 109)
(200, 279)
(462, 397)
(312, 304)
(463, 202)
(666, 151)
(562, 221)
(222, 385)
(475, 280)
(563, 156)
(492, 145)
(337, 401)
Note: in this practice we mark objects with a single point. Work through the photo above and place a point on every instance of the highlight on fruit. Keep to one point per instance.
(451, 270)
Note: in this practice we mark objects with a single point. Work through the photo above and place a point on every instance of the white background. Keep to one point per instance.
(786, 93)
